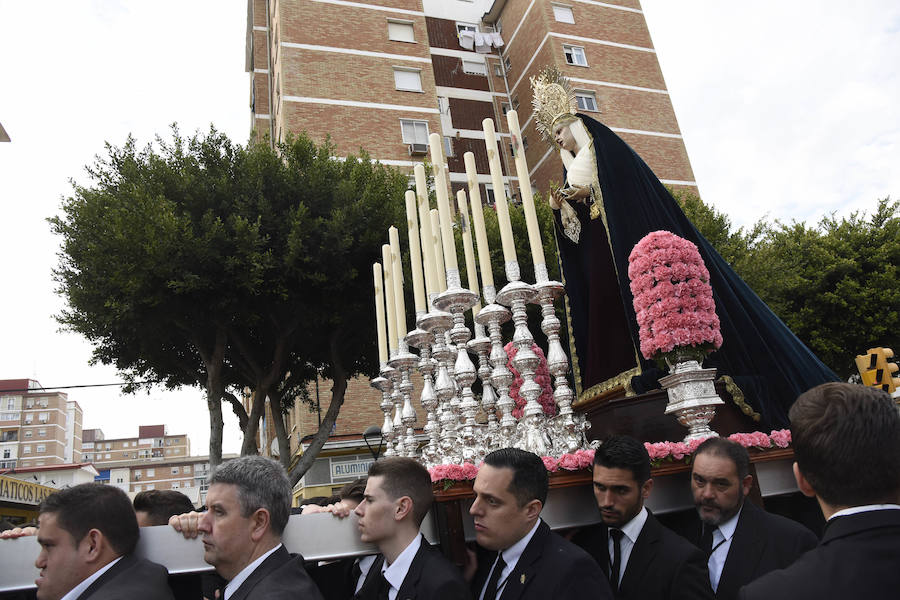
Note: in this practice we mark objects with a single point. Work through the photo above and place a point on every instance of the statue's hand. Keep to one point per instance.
(555, 198)
(577, 193)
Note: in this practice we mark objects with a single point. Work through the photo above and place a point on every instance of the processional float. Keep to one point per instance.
(453, 432)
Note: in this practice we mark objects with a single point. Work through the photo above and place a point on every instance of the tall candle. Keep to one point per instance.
(467, 246)
(534, 230)
(390, 309)
(506, 236)
(438, 252)
(484, 253)
(397, 275)
(443, 202)
(431, 276)
(379, 313)
(415, 254)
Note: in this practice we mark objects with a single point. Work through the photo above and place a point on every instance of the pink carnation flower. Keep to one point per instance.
(541, 377)
(550, 463)
(781, 437)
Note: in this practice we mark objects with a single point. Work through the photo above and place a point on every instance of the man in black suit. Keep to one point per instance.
(248, 505)
(398, 496)
(643, 559)
(742, 541)
(87, 535)
(846, 441)
(528, 561)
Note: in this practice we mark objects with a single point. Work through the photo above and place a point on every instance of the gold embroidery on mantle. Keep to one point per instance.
(737, 396)
(622, 380)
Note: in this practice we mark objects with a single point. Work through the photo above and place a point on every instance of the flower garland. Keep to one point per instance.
(583, 459)
(541, 377)
(673, 300)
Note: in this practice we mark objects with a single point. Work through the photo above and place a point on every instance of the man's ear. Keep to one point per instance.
(533, 509)
(92, 545)
(403, 507)
(802, 483)
(646, 488)
(746, 485)
(260, 522)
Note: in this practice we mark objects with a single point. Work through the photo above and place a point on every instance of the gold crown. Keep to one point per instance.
(552, 98)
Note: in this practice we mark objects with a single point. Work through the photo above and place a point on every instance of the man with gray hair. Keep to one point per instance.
(248, 505)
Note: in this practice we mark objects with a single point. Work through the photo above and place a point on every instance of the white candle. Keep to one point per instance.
(472, 274)
(431, 276)
(438, 253)
(443, 202)
(379, 313)
(484, 253)
(390, 309)
(415, 254)
(397, 275)
(506, 236)
(534, 230)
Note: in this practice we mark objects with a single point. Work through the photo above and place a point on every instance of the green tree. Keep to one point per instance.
(213, 264)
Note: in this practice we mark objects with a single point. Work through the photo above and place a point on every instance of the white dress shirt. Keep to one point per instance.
(631, 530)
(396, 572)
(511, 557)
(865, 508)
(721, 542)
(79, 589)
(241, 577)
(365, 563)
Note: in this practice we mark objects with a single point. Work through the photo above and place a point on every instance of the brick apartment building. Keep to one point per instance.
(37, 427)
(383, 74)
(152, 442)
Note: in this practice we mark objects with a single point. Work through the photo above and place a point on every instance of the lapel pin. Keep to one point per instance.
(522, 579)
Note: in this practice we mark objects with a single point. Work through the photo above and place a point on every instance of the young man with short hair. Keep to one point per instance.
(156, 507)
(528, 561)
(846, 441)
(642, 559)
(87, 536)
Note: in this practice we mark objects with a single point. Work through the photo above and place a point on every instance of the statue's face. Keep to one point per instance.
(562, 135)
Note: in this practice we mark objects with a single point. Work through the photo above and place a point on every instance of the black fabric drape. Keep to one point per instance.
(767, 361)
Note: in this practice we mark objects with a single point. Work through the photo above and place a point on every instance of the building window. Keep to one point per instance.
(29, 403)
(42, 432)
(174, 470)
(10, 403)
(460, 27)
(489, 193)
(108, 456)
(28, 433)
(505, 107)
(414, 132)
(563, 14)
(87, 457)
(187, 468)
(401, 31)
(29, 418)
(6, 453)
(586, 101)
(151, 472)
(448, 146)
(41, 448)
(474, 67)
(408, 80)
(26, 449)
(443, 105)
(43, 417)
(507, 63)
(139, 488)
(119, 480)
(575, 55)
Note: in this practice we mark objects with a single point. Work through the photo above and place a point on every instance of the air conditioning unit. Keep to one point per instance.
(418, 149)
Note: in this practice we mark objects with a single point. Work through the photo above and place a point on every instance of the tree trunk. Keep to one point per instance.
(258, 405)
(215, 389)
(338, 390)
(284, 444)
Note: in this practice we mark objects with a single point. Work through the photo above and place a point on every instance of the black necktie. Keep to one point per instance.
(616, 535)
(383, 587)
(490, 592)
(706, 540)
(355, 573)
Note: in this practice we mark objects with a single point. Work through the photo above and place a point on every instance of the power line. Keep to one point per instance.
(71, 387)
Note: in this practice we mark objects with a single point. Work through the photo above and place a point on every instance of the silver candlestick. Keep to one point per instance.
(384, 384)
(481, 346)
(531, 432)
(456, 300)
(437, 322)
(492, 316)
(566, 435)
(403, 361)
(422, 339)
(395, 445)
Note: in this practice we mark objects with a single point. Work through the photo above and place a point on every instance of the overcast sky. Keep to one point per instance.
(789, 110)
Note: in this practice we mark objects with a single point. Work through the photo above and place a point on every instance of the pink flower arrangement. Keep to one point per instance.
(463, 472)
(673, 300)
(541, 377)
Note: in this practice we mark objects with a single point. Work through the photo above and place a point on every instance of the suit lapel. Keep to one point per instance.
(744, 553)
(526, 567)
(407, 589)
(125, 563)
(642, 555)
(272, 562)
(370, 584)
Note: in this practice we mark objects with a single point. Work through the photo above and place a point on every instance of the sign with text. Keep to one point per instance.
(347, 469)
(22, 492)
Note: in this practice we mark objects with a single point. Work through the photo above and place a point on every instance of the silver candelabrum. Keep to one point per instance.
(442, 437)
(456, 300)
(403, 426)
(423, 338)
(481, 346)
(567, 433)
(531, 433)
(385, 385)
(692, 397)
(499, 434)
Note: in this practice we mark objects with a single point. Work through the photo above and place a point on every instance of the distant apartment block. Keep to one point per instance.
(153, 443)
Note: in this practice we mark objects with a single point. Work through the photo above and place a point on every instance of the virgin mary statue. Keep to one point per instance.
(610, 200)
